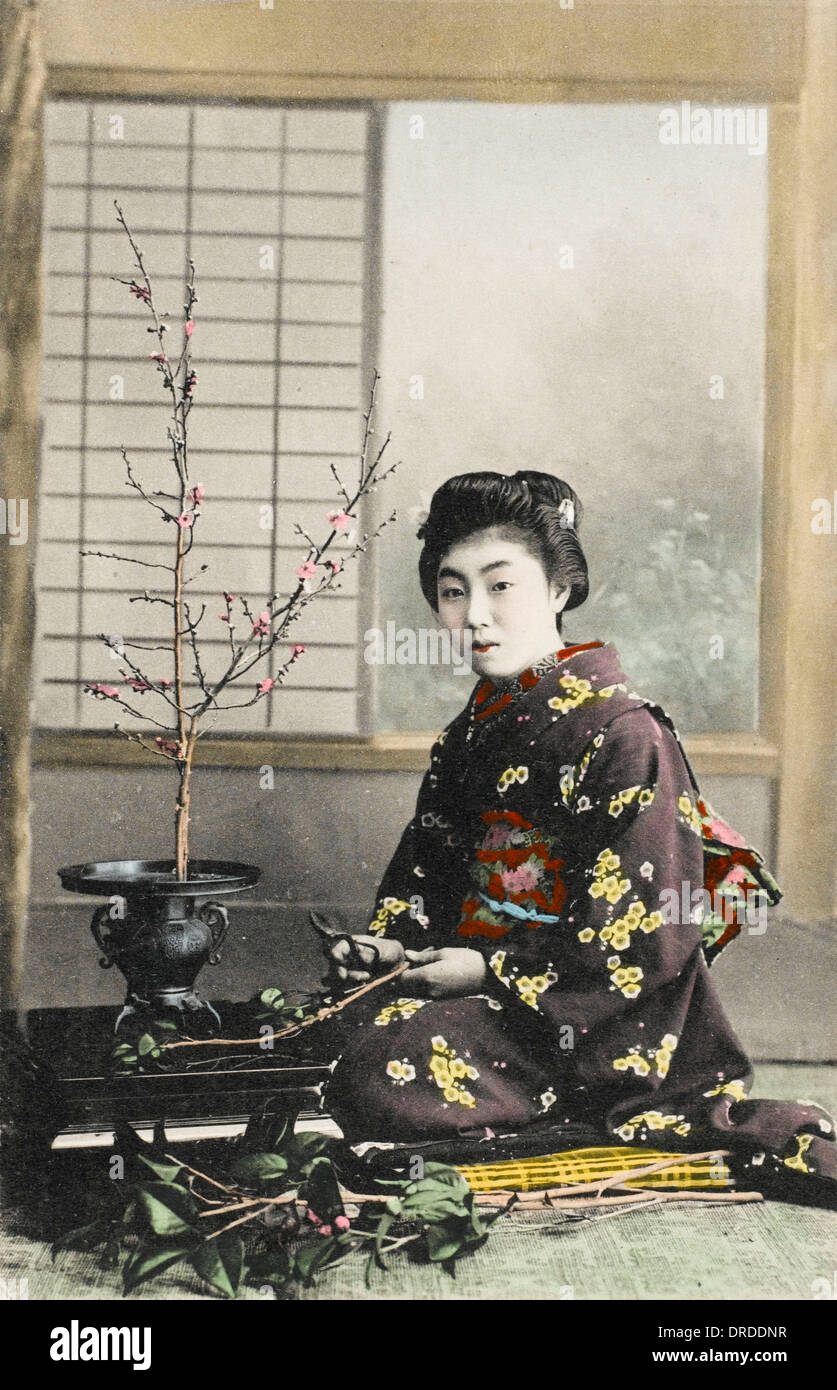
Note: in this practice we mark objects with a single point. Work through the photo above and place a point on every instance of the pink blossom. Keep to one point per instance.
(266, 685)
(104, 692)
(163, 682)
(296, 651)
(721, 831)
(313, 1217)
(137, 683)
(520, 880)
(140, 292)
(342, 1223)
(336, 565)
(158, 357)
(308, 570)
(339, 520)
(190, 327)
(225, 617)
(185, 520)
(169, 745)
(197, 494)
(324, 1231)
(229, 598)
(261, 626)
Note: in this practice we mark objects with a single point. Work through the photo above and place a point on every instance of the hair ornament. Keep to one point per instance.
(566, 514)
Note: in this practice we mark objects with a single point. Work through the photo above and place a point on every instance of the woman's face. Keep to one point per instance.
(492, 587)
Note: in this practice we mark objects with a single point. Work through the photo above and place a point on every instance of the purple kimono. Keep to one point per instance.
(559, 831)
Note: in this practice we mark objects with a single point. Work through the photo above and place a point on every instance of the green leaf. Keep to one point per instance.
(444, 1241)
(384, 1224)
(310, 1144)
(442, 1172)
(164, 1025)
(260, 1168)
(166, 1172)
(221, 1262)
(82, 1237)
(321, 1190)
(149, 1260)
(319, 1251)
(148, 1046)
(170, 1209)
(272, 998)
(451, 1238)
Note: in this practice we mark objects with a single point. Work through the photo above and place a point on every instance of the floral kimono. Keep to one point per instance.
(559, 831)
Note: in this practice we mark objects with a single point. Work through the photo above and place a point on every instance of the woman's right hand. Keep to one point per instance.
(390, 954)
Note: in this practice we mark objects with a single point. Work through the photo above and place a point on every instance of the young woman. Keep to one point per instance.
(550, 892)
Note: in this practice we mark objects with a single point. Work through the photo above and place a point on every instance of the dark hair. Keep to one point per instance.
(527, 501)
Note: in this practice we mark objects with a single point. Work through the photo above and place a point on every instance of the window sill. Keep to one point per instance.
(713, 755)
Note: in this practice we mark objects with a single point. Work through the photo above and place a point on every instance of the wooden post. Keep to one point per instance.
(807, 847)
(21, 180)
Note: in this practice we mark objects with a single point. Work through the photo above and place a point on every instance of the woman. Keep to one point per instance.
(550, 892)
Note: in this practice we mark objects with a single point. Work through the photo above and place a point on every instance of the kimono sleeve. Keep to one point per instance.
(615, 949)
(414, 893)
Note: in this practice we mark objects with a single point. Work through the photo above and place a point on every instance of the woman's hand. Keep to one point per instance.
(390, 954)
(449, 973)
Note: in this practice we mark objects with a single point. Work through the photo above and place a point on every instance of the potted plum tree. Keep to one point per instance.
(162, 921)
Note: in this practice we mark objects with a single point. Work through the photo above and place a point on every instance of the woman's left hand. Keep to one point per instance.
(448, 973)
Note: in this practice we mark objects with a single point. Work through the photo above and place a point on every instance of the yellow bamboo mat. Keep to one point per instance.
(592, 1165)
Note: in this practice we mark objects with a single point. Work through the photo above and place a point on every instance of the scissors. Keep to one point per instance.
(355, 960)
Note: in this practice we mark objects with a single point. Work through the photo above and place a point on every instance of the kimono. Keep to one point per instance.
(560, 833)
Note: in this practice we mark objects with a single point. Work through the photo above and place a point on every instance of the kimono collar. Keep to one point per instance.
(493, 696)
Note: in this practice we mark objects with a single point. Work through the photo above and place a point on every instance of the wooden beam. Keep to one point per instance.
(719, 755)
(386, 49)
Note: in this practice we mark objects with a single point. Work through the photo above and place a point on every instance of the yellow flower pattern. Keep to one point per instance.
(401, 1072)
(579, 692)
(617, 933)
(625, 977)
(641, 1066)
(689, 813)
(654, 1120)
(402, 1008)
(643, 795)
(449, 1071)
(736, 1089)
(510, 776)
(530, 986)
(390, 907)
(606, 881)
(803, 1144)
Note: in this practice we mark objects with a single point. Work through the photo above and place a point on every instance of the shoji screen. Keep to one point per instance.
(271, 204)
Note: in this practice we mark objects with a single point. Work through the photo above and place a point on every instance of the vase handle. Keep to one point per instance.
(217, 919)
(104, 942)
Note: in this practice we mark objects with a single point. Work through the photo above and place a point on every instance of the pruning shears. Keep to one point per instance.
(356, 959)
